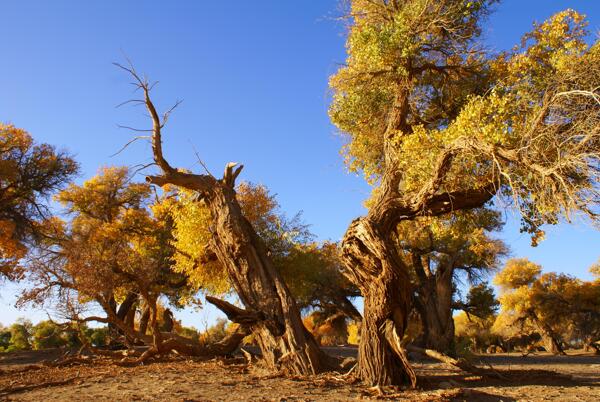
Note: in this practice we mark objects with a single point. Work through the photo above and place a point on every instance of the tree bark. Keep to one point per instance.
(549, 338)
(144, 319)
(551, 344)
(372, 263)
(385, 285)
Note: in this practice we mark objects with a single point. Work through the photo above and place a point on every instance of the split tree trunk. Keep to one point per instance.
(549, 338)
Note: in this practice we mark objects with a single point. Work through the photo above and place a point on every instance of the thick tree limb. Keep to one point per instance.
(234, 313)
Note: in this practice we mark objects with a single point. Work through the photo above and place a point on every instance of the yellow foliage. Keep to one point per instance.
(28, 173)
(515, 120)
(517, 272)
(353, 334)
(192, 237)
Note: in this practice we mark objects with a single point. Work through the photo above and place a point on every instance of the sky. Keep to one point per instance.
(253, 80)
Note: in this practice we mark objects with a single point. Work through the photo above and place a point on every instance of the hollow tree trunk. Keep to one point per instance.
(385, 285)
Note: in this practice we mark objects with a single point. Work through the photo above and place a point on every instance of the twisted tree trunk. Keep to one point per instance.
(372, 263)
(375, 267)
(549, 338)
(283, 339)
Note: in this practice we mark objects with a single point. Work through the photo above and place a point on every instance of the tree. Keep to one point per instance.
(533, 300)
(475, 331)
(47, 334)
(437, 251)
(20, 335)
(314, 274)
(29, 173)
(271, 311)
(4, 338)
(440, 125)
(474, 323)
(98, 337)
(481, 301)
(585, 304)
(312, 270)
(115, 251)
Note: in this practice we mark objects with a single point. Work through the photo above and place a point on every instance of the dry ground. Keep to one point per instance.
(534, 378)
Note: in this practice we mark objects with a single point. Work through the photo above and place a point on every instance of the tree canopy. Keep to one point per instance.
(557, 306)
(522, 121)
(29, 174)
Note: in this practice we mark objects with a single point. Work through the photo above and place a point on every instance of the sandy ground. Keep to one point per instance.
(542, 377)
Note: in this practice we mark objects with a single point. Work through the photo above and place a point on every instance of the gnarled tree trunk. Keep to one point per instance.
(549, 338)
(385, 285)
(277, 325)
(282, 337)
(372, 263)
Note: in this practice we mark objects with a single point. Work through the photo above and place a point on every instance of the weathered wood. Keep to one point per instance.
(234, 313)
(284, 341)
(375, 267)
(434, 304)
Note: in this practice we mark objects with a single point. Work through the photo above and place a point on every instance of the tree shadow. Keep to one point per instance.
(480, 396)
(436, 379)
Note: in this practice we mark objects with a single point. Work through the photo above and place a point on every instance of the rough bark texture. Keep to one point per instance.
(144, 321)
(283, 339)
(280, 334)
(551, 342)
(373, 264)
(386, 289)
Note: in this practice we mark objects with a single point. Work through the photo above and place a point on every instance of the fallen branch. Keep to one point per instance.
(462, 364)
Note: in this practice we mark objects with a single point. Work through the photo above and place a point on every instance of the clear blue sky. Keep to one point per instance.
(253, 77)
